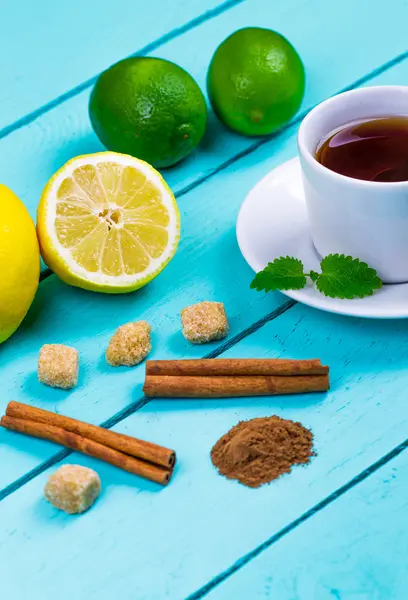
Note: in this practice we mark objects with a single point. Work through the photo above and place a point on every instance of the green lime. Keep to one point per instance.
(149, 108)
(256, 81)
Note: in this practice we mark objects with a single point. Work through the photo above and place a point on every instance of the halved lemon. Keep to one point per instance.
(107, 222)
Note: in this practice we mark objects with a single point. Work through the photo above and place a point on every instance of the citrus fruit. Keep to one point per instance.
(149, 108)
(19, 262)
(255, 81)
(107, 222)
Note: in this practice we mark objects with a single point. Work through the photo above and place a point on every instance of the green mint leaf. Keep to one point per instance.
(345, 277)
(284, 273)
(314, 276)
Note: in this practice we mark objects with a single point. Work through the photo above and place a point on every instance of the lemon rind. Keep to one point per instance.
(60, 259)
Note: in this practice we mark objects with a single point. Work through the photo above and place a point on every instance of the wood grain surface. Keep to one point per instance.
(49, 52)
(65, 131)
(341, 552)
(66, 315)
(202, 535)
(215, 522)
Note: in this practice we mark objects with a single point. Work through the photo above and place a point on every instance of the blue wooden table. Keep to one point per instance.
(334, 530)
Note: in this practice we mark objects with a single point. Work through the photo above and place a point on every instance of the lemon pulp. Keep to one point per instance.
(108, 221)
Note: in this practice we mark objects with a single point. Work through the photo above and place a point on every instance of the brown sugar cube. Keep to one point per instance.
(73, 488)
(204, 322)
(129, 345)
(58, 366)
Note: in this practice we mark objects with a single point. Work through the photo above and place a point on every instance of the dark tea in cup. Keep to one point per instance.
(372, 149)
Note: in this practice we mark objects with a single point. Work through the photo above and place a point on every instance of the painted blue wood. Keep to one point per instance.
(47, 50)
(140, 541)
(85, 320)
(354, 549)
(39, 149)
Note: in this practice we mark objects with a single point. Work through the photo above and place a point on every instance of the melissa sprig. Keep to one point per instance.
(340, 277)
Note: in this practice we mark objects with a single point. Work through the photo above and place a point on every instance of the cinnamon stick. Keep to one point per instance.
(167, 386)
(86, 446)
(236, 366)
(124, 443)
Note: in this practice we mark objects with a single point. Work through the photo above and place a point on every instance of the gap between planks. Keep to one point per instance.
(138, 404)
(130, 409)
(151, 47)
(244, 560)
(265, 140)
(134, 407)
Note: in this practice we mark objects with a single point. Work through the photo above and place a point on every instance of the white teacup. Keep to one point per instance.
(365, 219)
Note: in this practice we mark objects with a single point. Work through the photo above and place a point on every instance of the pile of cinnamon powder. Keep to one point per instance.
(260, 450)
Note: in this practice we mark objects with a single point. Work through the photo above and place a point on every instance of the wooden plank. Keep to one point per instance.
(46, 51)
(186, 536)
(32, 154)
(201, 270)
(355, 548)
(201, 523)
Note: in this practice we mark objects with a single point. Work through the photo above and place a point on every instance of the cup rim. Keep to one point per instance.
(314, 163)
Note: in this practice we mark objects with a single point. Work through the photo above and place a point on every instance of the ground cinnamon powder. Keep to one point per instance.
(260, 450)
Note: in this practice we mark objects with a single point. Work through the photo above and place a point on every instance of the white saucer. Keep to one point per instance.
(272, 222)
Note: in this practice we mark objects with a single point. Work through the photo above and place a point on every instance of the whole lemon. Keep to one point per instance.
(19, 262)
(149, 108)
(256, 81)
